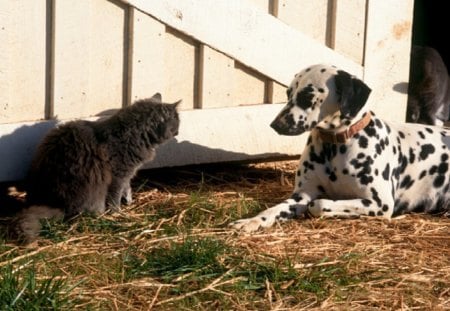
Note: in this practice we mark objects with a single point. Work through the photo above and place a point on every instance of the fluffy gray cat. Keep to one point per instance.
(86, 166)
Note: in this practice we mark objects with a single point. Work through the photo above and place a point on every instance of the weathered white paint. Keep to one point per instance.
(89, 57)
(228, 83)
(163, 61)
(22, 60)
(306, 16)
(247, 34)
(387, 50)
(206, 136)
(349, 29)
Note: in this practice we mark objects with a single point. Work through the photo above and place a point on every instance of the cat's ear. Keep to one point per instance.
(156, 97)
(177, 104)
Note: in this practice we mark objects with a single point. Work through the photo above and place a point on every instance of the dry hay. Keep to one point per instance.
(359, 264)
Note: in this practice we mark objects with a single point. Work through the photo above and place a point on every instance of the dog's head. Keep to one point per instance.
(317, 92)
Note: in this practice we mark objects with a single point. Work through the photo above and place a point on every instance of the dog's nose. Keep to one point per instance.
(278, 127)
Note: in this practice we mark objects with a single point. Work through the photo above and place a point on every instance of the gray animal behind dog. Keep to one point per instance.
(86, 166)
(429, 87)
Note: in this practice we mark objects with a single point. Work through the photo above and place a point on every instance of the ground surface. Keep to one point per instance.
(171, 250)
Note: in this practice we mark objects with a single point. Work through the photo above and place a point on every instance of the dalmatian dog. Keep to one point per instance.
(354, 163)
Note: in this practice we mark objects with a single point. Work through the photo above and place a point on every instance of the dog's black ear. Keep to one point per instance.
(352, 92)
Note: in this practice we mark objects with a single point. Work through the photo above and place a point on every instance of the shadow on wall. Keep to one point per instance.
(18, 146)
(170, 153)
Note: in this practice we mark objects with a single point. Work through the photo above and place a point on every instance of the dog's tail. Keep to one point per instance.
(28, 221)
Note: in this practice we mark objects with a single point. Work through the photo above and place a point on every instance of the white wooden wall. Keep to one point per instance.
(69, 59)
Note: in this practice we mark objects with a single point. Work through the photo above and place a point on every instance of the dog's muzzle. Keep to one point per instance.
(283, 128)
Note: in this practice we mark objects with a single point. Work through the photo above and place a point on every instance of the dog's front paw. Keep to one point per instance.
(248, 224)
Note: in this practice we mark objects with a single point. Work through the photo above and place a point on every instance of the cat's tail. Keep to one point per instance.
(28, 221)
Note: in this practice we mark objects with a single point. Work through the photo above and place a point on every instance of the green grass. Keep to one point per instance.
(22, 290)
(198, 258)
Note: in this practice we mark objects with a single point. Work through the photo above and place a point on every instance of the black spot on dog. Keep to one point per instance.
(426, 150)
(333, 177)
(371, 213)
(388, 128)
(407, 182)
(345, 171)
(296, 197)
(363, 142)
(421, 134)
(342, 149)
(289, 92)
(380, 213)
(370, 129)
(263, 218)
(378, 123)
(442, 168)
(366, 202)
(439, 181)
(429, 130)
(400, 208)
(321, 90)
(285, 215)
(401, 134)
(323, 70)
(412, 156)
(321, 188)
(305, 97)
(375, 196)
(385, 208)
(378, 148)
(386, 172)
(423, 174)
(444, 157)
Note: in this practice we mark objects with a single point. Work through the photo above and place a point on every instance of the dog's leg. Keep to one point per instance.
(351, 208)
(295, 206)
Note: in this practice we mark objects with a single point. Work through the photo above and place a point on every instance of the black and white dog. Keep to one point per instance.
(355, 163)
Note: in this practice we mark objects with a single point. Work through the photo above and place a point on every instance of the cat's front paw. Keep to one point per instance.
(127, 196)
(248, 224)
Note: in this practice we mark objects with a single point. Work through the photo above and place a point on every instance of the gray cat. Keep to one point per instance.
(429, 87)
(86, 166)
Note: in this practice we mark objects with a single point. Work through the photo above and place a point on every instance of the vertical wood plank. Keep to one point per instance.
(227, 83)
(217, 79)
(249, 87)
(147, 57)
(163, 61)
(180, 66)
(388, 44)
(89, 57)
(309, 17)
(349, 32)
(22, 60)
